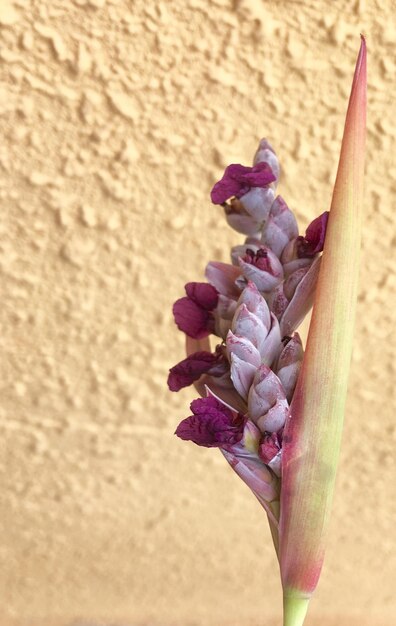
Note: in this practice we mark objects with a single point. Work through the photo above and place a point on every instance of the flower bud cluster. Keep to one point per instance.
(254, 305)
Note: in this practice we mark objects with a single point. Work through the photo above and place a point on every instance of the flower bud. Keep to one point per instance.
(257, 202)
(301, 301)
(291, 283)
(262, 267)
(289, 364)
(242, 374)
(280, 228)
(255, 303)
(278, 302)
(256, 475)
(239, 251)
(248, 325)
(267, 404)
(239, 219)
(223, 276)
(243, 349)
(269, 347)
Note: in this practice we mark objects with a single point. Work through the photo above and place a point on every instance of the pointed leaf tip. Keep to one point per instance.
(313, 429)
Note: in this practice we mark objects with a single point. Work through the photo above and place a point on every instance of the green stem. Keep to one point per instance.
(294, 610)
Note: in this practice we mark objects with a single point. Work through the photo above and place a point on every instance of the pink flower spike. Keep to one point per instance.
(239, 179)
(212, 425)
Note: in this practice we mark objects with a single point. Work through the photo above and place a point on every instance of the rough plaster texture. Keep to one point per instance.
(116, 118)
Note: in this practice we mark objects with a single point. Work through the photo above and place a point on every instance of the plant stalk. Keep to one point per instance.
(294, 610)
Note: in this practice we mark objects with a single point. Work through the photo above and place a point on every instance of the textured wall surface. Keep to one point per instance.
(116, 118)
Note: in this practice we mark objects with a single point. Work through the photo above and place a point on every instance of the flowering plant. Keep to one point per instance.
(274, 412)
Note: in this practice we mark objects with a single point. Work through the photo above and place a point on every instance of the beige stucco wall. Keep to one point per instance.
(116, 118)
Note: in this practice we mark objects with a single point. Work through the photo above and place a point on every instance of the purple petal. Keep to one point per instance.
(259, 175)
(192, 319)
(230, 184)
(313, 241)
(191, 369)
(203, 294)
(212, 424)
(239, 179)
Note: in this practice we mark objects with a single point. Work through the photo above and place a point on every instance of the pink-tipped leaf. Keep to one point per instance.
(312, 433)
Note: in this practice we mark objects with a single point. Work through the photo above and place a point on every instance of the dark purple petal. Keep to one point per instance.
(258, 176)
(239, 179)
(192, 319)
(203, 294)
(191, 369)
(229, 184)
(212, 424)
(313, 241)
